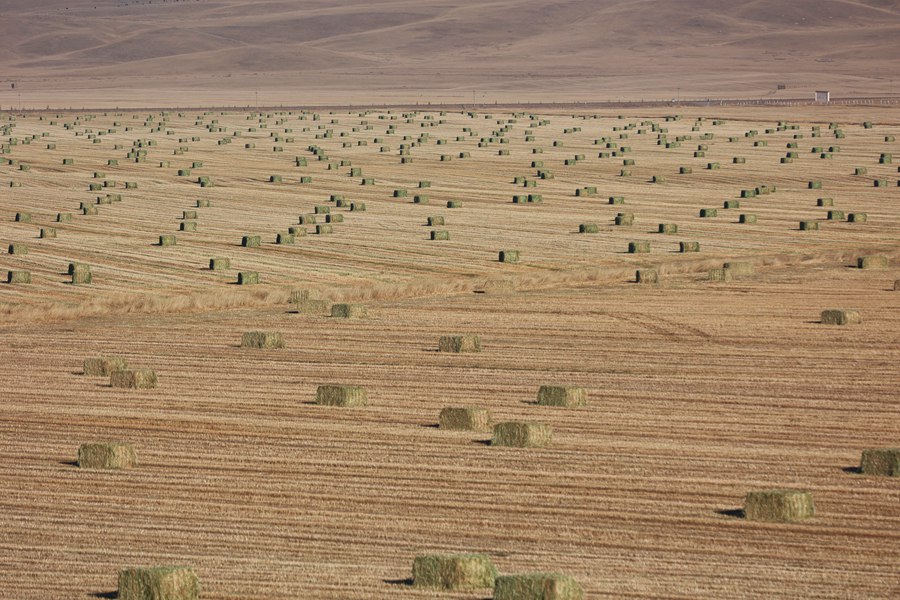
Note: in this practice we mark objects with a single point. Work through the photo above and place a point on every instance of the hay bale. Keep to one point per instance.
(873, 261)
(104, 366)
(334, 218)
(248, 278)
(19, 249)
(668, 228)
(459, 343)
(731, 204)
(202, 204)
(306, 220)
(747, 218)
(809, 225)
(348, 311)
(707, 213)
(341, 395)
(646, 276)
(432, 221)
(814, 185)
(565, 396)
(219, 264)
(624, 219)
(63, 217)
(23, 217)
(841, 317)
(780, 505)
(420, 199)
(48, 232)
(159, 583)
(284, 238)
(81, 274)
(262, 339)
(509, 256)
(18, 277)
(454, 571)
(638, 247)
(440, 235)
(897, 285)
(167, 240)
(357, 206)
(106, 455)
(825, 202)
(720, 275)
(133, 378)
(537, 586)
(454, 204)
(617, 199)
(187, 226)
(588, 228)
(521, 435)
(251, 241)
(189, 215)
(465, 418)
(857, 217)
(880, 461)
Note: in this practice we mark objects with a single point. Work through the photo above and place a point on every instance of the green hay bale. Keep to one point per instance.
(860, 171)
(248, 278)
(18, 249)
(624, 219)
(537, 586)
(454, 571)
(188, 214)
(81, 275)
(159, 583)
(857, 217)
(433, 221)
(262, 339)
(884, 462)
(713, 165)
(420, 199)
(668, 228)
(825, 202)
(809, 225)
(106, 455)
(748, 193)
(251, 241)
(747, 218)
(400, 193)
(357, 207)
(324, 229)
(720, 275)
(133, 378)
(459, 343)
(778, 505)
(625, 173)
(646, 276)
(63, 217)
(18, 277)
(454, 204)
(685, 170)
(297, 231)
(638, 247)
(104, 366)
(841, 317)
(739, 269)
(738, 160)
(166, 240)
(334, 218)
(465, 418)
(284, 238)
(307, 220)
(658, 179)
(131, 185)
(348, 311)
(219, 264)
(274, 178)
(521, 435)
(885, 159)
(880, 183)
(588, 228)
(68, 161)
(23, 217)
(187, 226)
(564, 396)
(202, 204)
(708, 213)
(341, 395)
(873, 261)
(814, 185)
(440, 235)
(322, 210)
(685, 247)
(836, 215)
(731, 204)
(617, 199)
(509, 256)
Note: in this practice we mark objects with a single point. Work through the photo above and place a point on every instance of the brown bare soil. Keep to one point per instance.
(699, 391)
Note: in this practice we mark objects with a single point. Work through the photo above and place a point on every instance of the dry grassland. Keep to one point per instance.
(699, 391)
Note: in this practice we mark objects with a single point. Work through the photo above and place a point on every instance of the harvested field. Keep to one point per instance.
(700, 391)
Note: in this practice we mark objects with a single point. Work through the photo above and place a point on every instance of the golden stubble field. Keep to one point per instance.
(700, 391)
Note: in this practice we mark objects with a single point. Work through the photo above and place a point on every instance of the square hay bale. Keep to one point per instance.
(684, 247)
(341, 395)
(219, 264)
(825, 202)
(251, 241)
(159, 583)
(731, 204)
(459, 343)
(133, 378)
(857, 217)
(187, 226)
(814, 185)
(167, 240)
(465, 418)
(420, 199)
(440, 235)
(348, 311)
(521, 435)
(841, 317)
(202, 204)
(104, 366)
(334, 218)
(588, 228)
(48, 232)
(836, 215)
(306, 220)
(284, 238)
(248, 278)
(779, 505)
(537, 586)
(262, 339)
(747, 218)
(617, 199)
(624, 219)
(20, 249)
(432, 221)
(509, 256)
(638, 247)
(23, 217)
(82, 275)
(897, 285)
(357, 206)
(324, 229)
(739, 269)
(188, 215)
(106, 455)
(322, 210)
(720, 275)
(809, 225)
(454, 571)
(559, 395)
(63, 217)
(668, 228)
(873, 261)
(646, 276)
(880, 461)
(18, 277)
